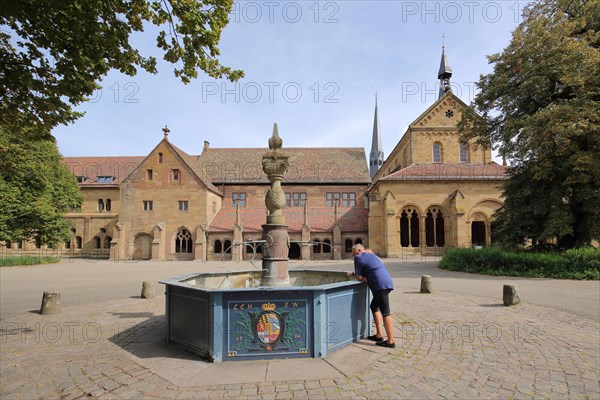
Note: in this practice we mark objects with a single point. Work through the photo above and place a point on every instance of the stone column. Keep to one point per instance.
(275, 252)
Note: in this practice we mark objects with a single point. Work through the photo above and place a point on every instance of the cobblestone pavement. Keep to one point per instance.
(448, 346)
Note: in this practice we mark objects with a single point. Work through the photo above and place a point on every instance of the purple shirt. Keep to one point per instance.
(372, 268)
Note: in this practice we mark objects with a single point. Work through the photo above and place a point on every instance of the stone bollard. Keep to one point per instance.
(510, 295)
(147, 290)
(426, 285)
(50, 303)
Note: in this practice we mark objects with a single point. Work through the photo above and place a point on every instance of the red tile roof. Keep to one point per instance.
(449, 171)
(307, 165)
(319, 219)
(93, 167)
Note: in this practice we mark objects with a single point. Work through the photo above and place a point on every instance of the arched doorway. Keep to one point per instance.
(142, 247)
(478, 233)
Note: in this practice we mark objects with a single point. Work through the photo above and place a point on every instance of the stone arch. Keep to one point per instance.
(294, 251)
(435, 226)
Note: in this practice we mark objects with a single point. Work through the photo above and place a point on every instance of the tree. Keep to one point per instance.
(540, 107)
(36, 190)
(53, 53)
(52, 56)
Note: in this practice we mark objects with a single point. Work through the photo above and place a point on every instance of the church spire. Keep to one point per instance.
(376, 157)
(444, 73)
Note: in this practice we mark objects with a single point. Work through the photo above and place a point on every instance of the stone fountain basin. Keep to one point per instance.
(229, 316)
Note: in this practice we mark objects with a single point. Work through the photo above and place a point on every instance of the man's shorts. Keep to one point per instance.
(381, 301)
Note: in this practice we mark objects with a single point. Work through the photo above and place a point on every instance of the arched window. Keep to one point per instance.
(437, 152)
(107, 241)
(316, 247)
(464, 152)
(68, 244)
(227, 246)
(478, 233)
(100, 205)
(108, 204)
(348, 245)
(327, 246)
(218, 247)
(434, 228)
(409, 228)
(358, 241)
(97, 242)
(78, 242)
(294, 252)
(183, 241)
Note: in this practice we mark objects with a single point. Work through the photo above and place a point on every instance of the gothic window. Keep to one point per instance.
(464, 153)
(100, 205)
(326, 246)
(437, 152)
(429, 230)
(183, 241)
(348, 245)
(108, 204)
(440, 241)
(107, 241)
(97, 242)
(478, 233)
(434, 228)
(78, 242)
(404, 229)
(218, 248)
(227, 246)
(316, 246)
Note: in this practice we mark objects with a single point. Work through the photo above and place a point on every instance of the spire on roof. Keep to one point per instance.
(376, 156)
(166, 131)
(444, 73)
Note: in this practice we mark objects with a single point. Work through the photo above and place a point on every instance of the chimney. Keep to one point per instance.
(206, 146)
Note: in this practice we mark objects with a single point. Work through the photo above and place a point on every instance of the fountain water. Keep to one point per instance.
(273, 313)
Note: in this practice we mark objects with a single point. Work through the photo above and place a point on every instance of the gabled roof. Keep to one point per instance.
(435, 104)
(307, 165)
(93, 167)
(318, 220)
(449, 171)
(196, 167)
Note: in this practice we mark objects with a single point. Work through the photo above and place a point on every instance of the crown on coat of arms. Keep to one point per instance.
(268, 306)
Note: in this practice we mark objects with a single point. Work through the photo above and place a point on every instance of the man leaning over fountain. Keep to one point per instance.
(370, 269)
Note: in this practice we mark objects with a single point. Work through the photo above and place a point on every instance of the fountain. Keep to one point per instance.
(268, 314)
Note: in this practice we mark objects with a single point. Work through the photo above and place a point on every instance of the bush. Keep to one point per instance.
(581, 263)
(26, 260)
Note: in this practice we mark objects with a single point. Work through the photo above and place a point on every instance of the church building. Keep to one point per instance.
(433, 192)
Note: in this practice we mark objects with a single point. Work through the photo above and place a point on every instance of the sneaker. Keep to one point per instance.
(386, 344)
(375, 338)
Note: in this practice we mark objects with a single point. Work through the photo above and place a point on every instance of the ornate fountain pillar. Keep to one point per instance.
(275, 253)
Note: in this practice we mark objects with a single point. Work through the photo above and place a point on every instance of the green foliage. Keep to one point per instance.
(36, 190)
(581, 263)
(540, 108)
(26, 260)
(53, 53)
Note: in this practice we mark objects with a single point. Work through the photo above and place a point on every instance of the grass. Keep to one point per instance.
(13, 261)
(571, 264)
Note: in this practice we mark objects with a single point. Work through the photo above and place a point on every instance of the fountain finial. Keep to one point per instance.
(275, 142)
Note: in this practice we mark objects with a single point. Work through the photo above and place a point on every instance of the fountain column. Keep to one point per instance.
(275, 231)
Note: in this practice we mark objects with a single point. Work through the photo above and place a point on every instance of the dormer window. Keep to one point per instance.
(105, 179)
(81, 178)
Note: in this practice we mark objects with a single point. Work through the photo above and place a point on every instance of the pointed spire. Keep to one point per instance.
(376, 156)
(444, 73)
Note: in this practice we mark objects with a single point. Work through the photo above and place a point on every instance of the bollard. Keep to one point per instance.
(510, 295)
(50, 302)
(426, 285)
(147, 290)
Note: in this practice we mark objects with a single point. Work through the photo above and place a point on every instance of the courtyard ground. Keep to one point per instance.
(459, 342)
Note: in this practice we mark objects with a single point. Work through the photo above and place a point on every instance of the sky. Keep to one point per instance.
(313, 67)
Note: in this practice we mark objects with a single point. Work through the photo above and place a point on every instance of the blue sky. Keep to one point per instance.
(312, 67)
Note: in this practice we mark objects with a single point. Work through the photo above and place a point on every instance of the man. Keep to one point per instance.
(370, 269)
